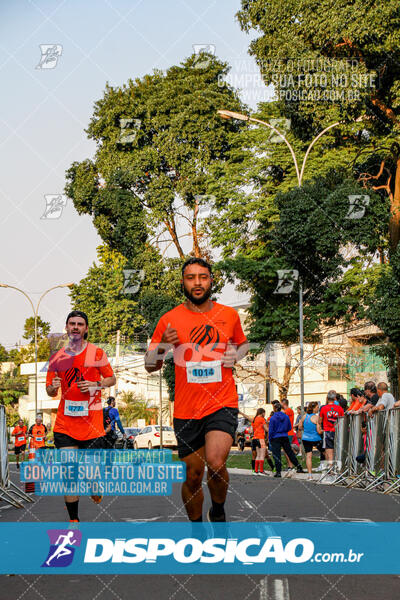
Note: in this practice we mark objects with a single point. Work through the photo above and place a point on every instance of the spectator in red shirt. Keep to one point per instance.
(328, 416)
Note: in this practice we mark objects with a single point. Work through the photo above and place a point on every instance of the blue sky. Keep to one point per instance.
(44, 113)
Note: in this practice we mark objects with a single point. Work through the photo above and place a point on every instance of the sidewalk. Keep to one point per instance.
(285, 475)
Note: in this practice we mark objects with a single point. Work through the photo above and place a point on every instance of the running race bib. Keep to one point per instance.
(39, 439)
(76, 408)
(204, 372)
(21, 438)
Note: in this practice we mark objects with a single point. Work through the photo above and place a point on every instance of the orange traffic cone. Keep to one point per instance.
(30, 485)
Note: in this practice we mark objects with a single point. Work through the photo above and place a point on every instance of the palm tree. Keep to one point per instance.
(134, 408)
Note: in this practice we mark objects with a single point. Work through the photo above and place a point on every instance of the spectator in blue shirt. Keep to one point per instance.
(279, 426)
(112, 418)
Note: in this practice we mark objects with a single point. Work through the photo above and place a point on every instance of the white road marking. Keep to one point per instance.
(140, 520)
(274, 589)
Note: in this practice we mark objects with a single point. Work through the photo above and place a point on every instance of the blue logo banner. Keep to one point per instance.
(201, 548)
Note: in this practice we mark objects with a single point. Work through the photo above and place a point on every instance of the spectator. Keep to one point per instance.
(328, 416)
(289, 412)
(259, 426)
(357, 400)
(298, 418)
(386, 400)
(279, 427)
(311, 437)
(371, 396)
(341, 401)
(110, 419)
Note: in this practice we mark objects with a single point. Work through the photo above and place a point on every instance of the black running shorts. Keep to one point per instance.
(62, 440)
(191, 433)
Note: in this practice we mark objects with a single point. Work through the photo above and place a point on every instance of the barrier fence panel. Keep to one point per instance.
(9, 492)
(392, 451)
(375, 457)
(341, 452)
(375, 438)
(356, 448)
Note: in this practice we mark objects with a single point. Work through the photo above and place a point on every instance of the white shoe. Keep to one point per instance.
(322, 467)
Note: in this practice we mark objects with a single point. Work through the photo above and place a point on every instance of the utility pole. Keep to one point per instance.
(160, 419)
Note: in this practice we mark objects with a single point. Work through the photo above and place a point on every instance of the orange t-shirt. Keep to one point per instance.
(356, 404)
(290, 414)
(258, 428)
(202, 384)
(39, 433)
(79, 414)
(20, 435)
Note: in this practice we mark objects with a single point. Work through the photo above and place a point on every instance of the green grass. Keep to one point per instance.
(243, 461)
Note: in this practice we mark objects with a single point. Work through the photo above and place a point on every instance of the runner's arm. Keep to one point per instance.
(164, 338)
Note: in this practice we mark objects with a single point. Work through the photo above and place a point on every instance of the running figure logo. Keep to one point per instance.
(62, 547)
(203, 335)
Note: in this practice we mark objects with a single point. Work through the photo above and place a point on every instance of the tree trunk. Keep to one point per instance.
(284, 388)
(394, 224)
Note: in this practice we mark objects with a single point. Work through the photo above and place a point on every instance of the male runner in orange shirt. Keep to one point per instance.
(19, 432)
(207, 339)
(82, 370)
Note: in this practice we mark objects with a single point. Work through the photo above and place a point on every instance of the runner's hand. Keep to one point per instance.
(170, 336)
(85, 385)
(55, 384)
(230, 356)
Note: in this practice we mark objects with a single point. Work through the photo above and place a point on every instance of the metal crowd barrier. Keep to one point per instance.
(9, 492)
(392, 452)
(375, 439)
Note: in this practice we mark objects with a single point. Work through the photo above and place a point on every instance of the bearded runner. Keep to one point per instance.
(207, 340)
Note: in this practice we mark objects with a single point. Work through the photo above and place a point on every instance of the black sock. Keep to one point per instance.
(253, 464)
(72, 508)
(217, 508)
(271, 464)
(199, 520)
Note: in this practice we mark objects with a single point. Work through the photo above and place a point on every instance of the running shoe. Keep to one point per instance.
(97, 499)
(211, 519)
(277, 475)
(17, 465)
(300, 469)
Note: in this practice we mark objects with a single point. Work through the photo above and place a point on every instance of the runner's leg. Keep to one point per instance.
(217, 447)
(192, 491)
(72, 502)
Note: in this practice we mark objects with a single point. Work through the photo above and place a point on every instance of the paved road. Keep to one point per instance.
(251, 498)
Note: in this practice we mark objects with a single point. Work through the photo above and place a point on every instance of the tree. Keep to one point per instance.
(43, 329)
(312, 47)
(3, 354)
(309, 229)
(134, 307)
(134, 408)
(156, 138)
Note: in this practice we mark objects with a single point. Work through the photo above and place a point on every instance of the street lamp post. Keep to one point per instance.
(228, 114)
(35, 314)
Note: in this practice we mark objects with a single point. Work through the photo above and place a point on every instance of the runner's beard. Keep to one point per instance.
(195, 299)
